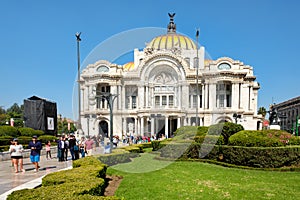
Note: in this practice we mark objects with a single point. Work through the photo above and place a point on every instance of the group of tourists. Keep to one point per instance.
(16, 151)
(82, 147)
(65, 144)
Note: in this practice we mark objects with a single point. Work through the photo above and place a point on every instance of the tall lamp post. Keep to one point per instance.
(197, 84)
(78, 39)
(110, 98)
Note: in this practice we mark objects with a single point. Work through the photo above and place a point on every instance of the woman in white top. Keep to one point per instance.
(16, 150)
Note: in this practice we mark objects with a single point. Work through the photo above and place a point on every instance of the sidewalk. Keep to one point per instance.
(10, 181)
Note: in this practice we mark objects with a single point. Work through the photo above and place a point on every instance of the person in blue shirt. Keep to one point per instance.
(35, 147)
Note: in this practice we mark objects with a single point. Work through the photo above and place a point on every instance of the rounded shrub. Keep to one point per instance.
(263, 138)
(26, 131)
(45, 138)
(202, 130)
(226, 129)
(8, 131)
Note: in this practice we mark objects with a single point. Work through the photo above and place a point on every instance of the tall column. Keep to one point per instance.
(123, 96)
(179, 122)
(250, 97)
(175, 97)
(167, 96)
(124, 126)
(135, 125)
(82, 100)
(206, 96)
(152, 126)
(140, 97)
(167, 126)
(142, 127)
(90, 90)
(100, 103)
(212, 96)
(179, 97)
(113, 90)
(130, 102)
(147, 96)
(185, 123)
(105, 104)
(234, 96)
(119, 97)
(203, 95)
(139, 126)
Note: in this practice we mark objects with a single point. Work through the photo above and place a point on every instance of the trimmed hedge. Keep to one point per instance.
(114, 159)
(25, 131)
(9, 131)
(84, 181)
(210, 139)
(263, 138)
(259, 157)
(5, 140)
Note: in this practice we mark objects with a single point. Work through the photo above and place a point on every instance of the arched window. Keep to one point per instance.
(223, 94)
(102, 88)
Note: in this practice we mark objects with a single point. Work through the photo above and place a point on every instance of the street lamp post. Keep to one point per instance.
(197, 84)
(78, 39)
(110, 98)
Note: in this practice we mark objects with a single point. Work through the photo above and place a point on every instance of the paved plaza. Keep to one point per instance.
(10, 181)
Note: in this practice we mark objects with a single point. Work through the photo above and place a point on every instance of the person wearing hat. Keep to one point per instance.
(16, 150)
(35, 147)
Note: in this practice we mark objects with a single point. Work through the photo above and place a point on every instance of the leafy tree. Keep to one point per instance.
(262, 111)
(226, 129)
(15, 112)
(2, 110)
(15, 108)
(62, 126)
(3, 116)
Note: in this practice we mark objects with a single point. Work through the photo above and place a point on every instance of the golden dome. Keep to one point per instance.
(128, 66)
(172, 40)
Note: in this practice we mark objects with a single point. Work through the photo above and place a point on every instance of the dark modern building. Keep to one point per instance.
(40, 114)
(288, 114)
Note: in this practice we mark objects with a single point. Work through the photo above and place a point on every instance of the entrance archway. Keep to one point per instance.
(103, 129)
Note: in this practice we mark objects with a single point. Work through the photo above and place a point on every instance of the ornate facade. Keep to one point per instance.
(158, 93)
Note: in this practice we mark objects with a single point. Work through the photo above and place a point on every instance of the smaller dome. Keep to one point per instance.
(128, 66)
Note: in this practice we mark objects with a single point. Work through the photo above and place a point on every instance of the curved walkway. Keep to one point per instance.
(10, 181)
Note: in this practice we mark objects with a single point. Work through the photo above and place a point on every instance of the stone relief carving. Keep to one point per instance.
(164, 78)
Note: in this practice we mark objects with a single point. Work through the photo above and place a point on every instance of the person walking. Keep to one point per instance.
(72, 144)
(35, 147)
(16, 150)
(66, 139)
(48, 150)
(82, 147)
(61, 149)
(89, 146)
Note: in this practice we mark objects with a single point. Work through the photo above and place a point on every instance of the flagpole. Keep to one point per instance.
(78, 39)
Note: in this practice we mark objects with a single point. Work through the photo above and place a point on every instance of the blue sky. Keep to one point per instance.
(38, 44)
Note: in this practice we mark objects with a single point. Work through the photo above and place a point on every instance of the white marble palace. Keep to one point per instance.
(157, 92)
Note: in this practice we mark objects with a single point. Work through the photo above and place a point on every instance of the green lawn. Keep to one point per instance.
(196, 180)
